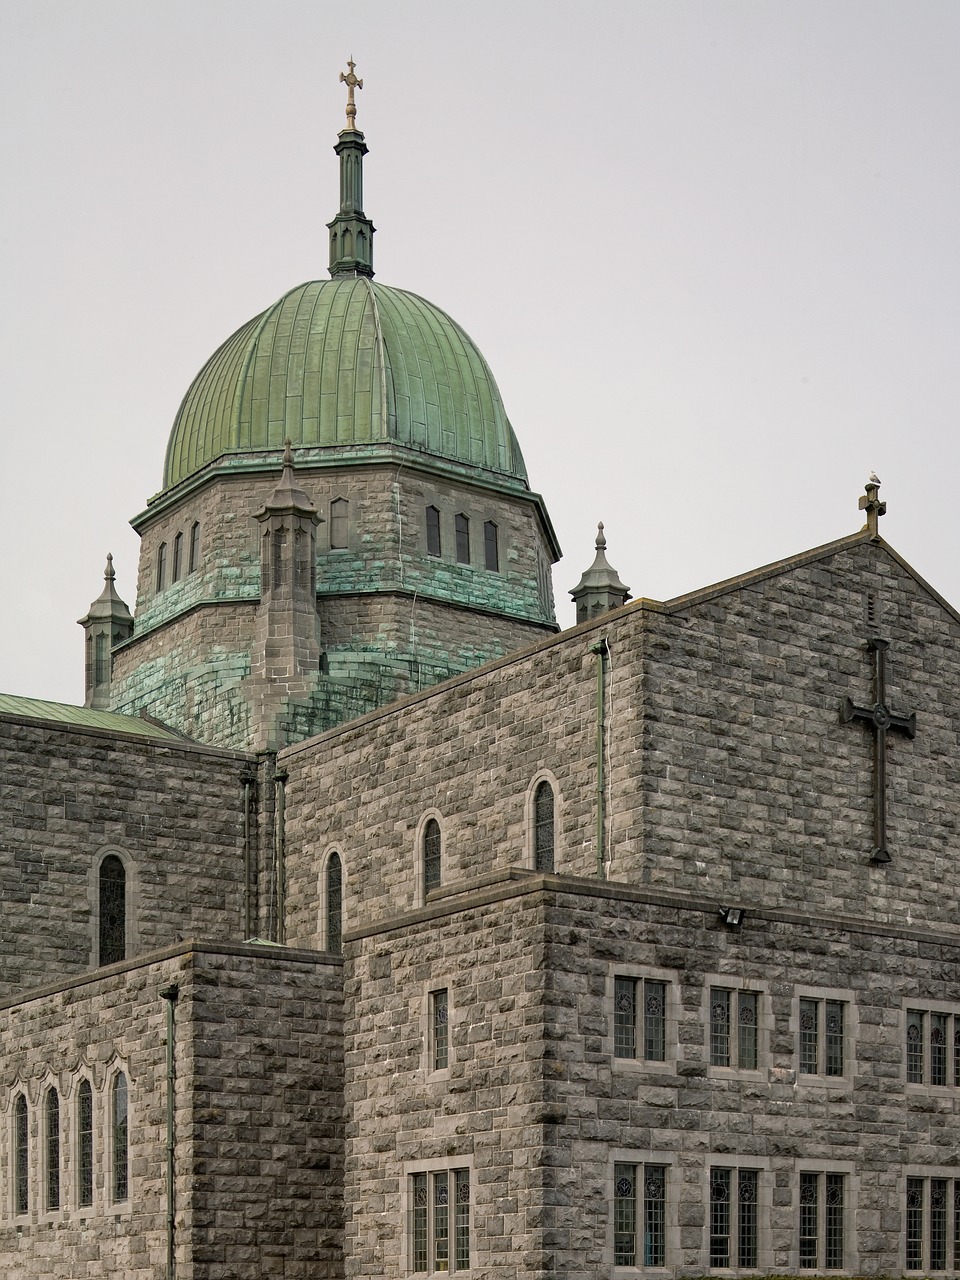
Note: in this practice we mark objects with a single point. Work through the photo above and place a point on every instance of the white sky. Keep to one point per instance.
(709, 249)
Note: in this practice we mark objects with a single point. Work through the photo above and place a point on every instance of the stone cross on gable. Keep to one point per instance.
(880, 720)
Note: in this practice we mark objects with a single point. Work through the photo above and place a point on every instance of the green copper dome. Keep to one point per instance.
(346, 362)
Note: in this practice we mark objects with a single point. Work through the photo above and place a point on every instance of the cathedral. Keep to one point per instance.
(363, 923)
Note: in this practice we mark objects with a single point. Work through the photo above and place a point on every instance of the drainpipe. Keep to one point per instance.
(170, 995)
(248, 780)
(600, 649)
(280, 780)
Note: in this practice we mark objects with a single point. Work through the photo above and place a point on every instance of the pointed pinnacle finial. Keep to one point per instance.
(871, 504)
(109, 573)
(601, 542)
(352, 83)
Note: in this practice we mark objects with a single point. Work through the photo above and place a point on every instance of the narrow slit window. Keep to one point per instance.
(52, 1125)
(85, 1145)
(194, 546)
(440, 1029)
(161, 566)
(334, 903)
(462, 528)
(113, 910)
(21, 1143)
(543, 827)
(433, 531)
(177, 557)
(121, 1136)
(431, 855)
(491, 546)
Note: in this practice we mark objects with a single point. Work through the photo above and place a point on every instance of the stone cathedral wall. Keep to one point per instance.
(171, 812)
(258, 1132)
(728, 770)
(537, 1105)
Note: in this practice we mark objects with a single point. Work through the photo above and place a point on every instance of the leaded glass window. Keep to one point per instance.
(491, 547)
(113, 910)
(101, 658)
(639, 1206)
(821, 1037)
(719, 1032)
(640, 1019)
(461, 524)
(52, 1153)
(733, 1217)
(434, 1217)
(120, 1136)
(440, 1029)
(733, 1028)
(543, 827)
(339, 515)
(84, 1144)
(433, 531)
(431, 855)
(21, 1155)
(821, 1220)
(334, 903)
(932, 1224)
(932, 1048)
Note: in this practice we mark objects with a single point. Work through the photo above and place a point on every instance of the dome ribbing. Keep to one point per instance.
(346, 362)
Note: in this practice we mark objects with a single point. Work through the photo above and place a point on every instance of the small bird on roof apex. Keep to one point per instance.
(873, 478)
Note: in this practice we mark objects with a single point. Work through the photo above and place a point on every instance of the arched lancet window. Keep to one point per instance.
(113, 910)
(431, 855)
(461, 524)
(177, 557)
(491, 546)
(433, 531)
(101, 658)
(161, 566)
(334, 903)
(194, 546)
(84, 1144)
(339, 513)
(21, 1155)
(120, 1136)
(52, 1127)
(543, 828)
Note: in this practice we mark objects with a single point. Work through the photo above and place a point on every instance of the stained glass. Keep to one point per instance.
(431, 855)
(53, 1149)
(625, 1018)
(21, 1154)
(120, 1138)
(85, 1144)
(113, 913)
(543, 827)
(334, 904)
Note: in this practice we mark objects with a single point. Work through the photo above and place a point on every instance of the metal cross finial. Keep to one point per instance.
(352, 83)
(872, 505)
(880, 719)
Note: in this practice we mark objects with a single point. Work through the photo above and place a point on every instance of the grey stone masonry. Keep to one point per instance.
(172, 813)
(728, 769)
(258, 1123)
(538, 1105)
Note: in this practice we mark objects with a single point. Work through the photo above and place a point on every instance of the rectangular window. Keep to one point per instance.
(439, 1022)
(650, 1020)
(734, 1019)
(932, 1047)
(462, 528)
(21, 1155)
(194, 545)
(821, 1037)
(932, 1224)
(821, 1221)
(491, 547)
(85, 1145)
(433, 531)
(439, 1231)
(639, 1215)
(177, 557)
(734, 1231)
(161, 566)
(339, 512)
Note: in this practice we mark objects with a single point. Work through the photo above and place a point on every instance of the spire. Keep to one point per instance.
(600, 589)
(107, 622)
(351, 232)
(871, 504)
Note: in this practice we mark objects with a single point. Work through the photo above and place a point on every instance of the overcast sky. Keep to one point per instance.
(709, 250)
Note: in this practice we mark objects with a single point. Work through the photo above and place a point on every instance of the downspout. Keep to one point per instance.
(600, 649)
(280, 795)
(170, 994)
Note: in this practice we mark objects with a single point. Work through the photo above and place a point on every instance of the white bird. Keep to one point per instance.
(873, 478)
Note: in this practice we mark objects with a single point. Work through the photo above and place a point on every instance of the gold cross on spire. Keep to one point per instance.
(352, 83)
